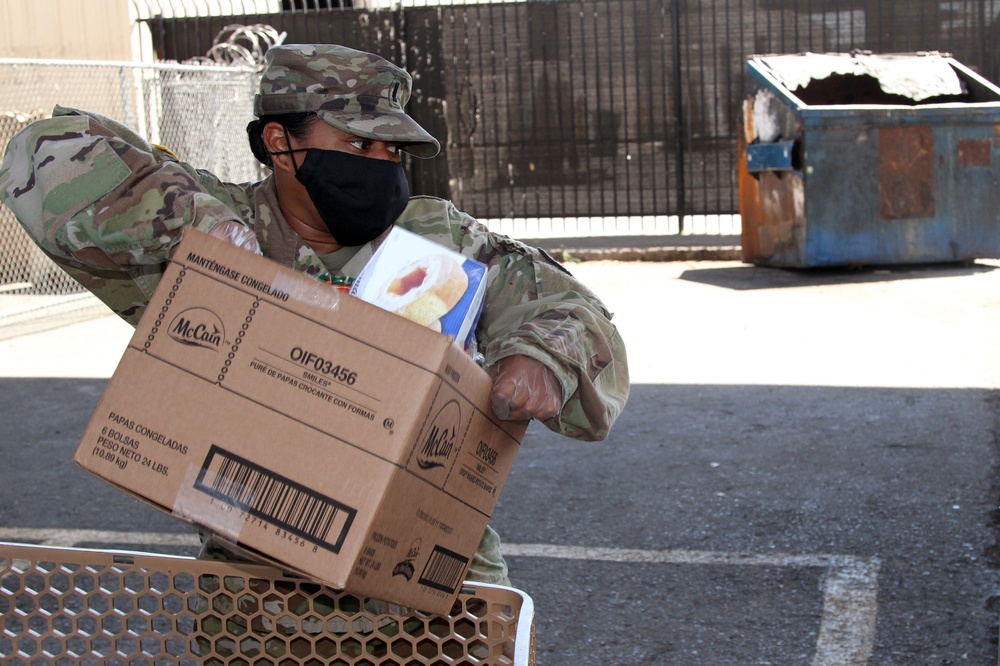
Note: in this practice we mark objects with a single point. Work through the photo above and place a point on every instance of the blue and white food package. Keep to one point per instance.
(427, 283)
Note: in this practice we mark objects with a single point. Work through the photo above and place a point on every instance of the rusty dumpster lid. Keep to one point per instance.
(913, 76)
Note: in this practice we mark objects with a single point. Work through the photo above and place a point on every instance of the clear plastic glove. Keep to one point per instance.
(238, 234)
(524, 388)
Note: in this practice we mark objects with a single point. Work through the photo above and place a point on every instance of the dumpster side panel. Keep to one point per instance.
(841, 196)
(772, 215)
(971, 180)
(939, 195)
(902, 194)
(772, 203)
(914, 222)
(906, 180)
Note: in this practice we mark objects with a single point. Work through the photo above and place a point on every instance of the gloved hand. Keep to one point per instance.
(524, 388)
(238, 234)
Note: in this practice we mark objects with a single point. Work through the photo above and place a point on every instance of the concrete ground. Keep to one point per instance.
(806, 472)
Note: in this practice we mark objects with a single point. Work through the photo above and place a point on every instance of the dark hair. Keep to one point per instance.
(296, 124)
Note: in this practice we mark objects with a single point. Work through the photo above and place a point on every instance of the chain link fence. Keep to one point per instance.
(170, 104)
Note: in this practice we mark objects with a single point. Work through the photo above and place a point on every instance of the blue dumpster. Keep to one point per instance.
(860, 159)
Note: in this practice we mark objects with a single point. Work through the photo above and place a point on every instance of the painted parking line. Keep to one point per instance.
(850, 586)
(67, 538)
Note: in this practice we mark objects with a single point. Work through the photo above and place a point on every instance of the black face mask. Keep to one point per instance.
(358, 197)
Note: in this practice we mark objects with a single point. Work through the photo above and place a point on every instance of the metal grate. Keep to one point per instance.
(596, 114)
(77, 606)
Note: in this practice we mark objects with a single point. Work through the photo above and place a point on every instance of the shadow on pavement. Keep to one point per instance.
(747, 277)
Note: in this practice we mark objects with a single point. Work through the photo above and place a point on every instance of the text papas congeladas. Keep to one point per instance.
(148, 433)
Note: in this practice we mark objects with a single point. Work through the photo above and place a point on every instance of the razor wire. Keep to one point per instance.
(241, 46)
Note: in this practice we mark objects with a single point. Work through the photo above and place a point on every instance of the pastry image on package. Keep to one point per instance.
(424, 290)
(426, 283)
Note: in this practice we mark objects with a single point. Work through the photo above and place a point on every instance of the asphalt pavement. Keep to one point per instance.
(806, 471)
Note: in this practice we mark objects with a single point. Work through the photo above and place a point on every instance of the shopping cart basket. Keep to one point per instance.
(80, 606)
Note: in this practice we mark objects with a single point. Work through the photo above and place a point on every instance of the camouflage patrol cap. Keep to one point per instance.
(357, 92)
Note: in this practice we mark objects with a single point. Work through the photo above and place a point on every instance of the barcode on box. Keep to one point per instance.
(282, 502)
(444, 570)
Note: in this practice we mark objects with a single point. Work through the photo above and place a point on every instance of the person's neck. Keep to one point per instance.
(316, 237)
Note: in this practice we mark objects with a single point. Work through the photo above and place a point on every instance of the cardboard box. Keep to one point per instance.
(426, 283)
(305, 426)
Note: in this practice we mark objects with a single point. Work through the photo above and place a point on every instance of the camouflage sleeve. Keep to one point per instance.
(536, 308)
(104, 204)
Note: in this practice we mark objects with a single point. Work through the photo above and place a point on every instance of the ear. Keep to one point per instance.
(276, 141)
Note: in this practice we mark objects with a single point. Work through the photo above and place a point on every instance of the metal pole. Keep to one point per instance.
(679, 114)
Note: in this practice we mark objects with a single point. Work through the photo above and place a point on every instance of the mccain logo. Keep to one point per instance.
(406, 568)
(441, 438)
(198, 327)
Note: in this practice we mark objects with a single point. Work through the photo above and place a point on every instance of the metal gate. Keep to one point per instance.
(608, 109)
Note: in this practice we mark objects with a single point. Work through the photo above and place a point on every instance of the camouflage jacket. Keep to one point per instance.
(108, 207)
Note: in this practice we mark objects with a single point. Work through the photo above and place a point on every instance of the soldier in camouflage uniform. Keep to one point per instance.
(108, 207)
